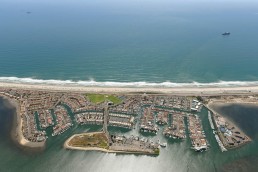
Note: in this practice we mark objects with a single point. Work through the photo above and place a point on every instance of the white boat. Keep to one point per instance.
(163, 145)
(200, 148)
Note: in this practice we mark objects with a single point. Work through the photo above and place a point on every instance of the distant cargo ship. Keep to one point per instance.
(226, 33)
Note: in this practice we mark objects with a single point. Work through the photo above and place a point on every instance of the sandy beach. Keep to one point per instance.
(16, 132)
(184, 91)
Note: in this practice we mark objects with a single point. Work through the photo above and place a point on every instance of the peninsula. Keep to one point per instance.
(98, 141)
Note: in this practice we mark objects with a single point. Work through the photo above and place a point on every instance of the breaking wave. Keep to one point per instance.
(91, 82)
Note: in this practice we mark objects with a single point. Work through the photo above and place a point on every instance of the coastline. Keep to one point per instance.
(183, 91)
(16, 131)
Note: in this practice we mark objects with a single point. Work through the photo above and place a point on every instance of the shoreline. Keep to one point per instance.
(183, 91)
(16, 131)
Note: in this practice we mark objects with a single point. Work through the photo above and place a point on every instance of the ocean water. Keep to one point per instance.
(129, 42)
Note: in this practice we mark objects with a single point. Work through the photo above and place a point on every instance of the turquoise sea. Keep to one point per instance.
(162, 43)
(136, 42)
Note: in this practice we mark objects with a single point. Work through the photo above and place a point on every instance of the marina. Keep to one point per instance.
(148, 122)
(121, 120)
(222, 148)
(63, 121)
(60, 111)
(177, 129)
(134, 144)
(96, 118)
(197, 135)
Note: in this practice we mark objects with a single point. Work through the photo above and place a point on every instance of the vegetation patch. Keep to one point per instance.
(100, 98)
(156, 151)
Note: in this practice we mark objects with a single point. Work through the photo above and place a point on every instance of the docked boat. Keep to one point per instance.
(200, 148)
(163, 145)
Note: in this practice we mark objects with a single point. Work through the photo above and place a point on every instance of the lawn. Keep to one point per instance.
(156, 151)
(100, 98)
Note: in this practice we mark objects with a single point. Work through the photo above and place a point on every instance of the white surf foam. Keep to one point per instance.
(91, 82)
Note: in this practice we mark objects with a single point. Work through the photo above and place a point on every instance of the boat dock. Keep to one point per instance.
(197, 135)
(210, 120)
(222, 148)
(177, 129)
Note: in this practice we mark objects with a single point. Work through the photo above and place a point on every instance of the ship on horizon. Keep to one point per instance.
(226, 33)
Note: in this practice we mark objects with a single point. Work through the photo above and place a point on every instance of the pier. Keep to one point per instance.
(210, 120)
(105, 123)
(222, 148)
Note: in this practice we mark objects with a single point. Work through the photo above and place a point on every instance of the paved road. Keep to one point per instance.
(105, 124)
(105, 120)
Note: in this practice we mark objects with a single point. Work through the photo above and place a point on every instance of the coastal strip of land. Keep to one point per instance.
(184, 91)
(42, 106)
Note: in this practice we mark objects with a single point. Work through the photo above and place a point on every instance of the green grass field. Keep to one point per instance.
(100, 98)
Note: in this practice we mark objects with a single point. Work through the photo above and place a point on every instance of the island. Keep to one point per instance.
(45, 111)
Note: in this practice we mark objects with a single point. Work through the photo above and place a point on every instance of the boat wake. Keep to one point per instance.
(91, 82)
